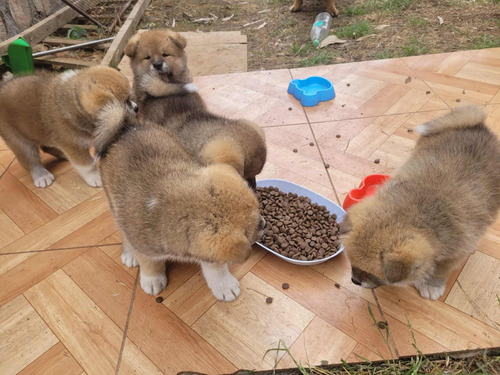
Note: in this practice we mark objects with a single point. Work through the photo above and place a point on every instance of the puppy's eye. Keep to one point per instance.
(165, 55)
(147, 57)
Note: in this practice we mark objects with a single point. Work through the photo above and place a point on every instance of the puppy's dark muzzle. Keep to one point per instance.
(354, 281)
(158, 65)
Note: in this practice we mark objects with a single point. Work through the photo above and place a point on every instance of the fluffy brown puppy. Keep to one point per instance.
(330, 7)
(432, 213)
(165, 96)
(170, 207)
(57, 113)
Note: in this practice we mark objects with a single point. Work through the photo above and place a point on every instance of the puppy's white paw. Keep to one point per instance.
(42, 177)
(90, 174)
(129, 259)
(94, 179)
(431, 291)
(153, 285)
(226, 288)
(7, 76)
(190, 87)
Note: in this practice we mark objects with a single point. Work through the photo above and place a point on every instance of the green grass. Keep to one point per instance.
(381, 55)
(415, 48)
(481, 363)
(419, 22)
(369, 6)
(355, 31)
(486, 41)
(312, 56)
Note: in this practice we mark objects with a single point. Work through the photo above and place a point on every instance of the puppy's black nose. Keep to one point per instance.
(158, 65)
(354, 281)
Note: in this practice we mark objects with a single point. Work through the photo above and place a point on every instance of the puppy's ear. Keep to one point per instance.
(396, 268)
(94, 99)
(178, 40)
(223, 151)
(233, 248)
(411, 257)
(132, 45)
(345, 226)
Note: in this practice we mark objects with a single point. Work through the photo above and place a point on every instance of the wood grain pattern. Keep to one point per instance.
(24, 336)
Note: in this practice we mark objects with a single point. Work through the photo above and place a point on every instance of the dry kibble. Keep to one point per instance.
(327, 166)
(295, 150)
(159, 299)
(382, 325)
(337, 285)
(338, 136)
(376, 161)
(269, 300)
(289, 108)
(297, 228)
(285, 286)
(311, 143)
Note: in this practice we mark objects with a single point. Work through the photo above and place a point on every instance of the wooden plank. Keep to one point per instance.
(36, 33)
(64, 61)
(24, 336)
(56, 360)
(85, 27)
(115, 52)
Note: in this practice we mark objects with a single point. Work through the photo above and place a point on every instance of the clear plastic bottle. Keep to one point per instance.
(320, 28)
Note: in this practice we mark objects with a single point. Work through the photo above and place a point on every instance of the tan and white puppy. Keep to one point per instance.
(166, 96)
(57, 113)
(426, 219)
(170, 207)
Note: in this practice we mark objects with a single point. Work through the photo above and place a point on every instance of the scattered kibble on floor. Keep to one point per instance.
(376, 161)
(338, 136)
(410, 130)
(269, 300)
(427, 92)
(295, 150)
(285, 286)
(348, 85)
(289, 108)
(311, 143)
(337, 285)
(159, 299)
(382, 325)
(327, 166)
(458, 100)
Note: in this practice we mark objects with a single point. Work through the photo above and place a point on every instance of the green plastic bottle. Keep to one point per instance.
(19, 57)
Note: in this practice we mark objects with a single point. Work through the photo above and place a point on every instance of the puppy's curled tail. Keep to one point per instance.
(114, 120)
(460, 117)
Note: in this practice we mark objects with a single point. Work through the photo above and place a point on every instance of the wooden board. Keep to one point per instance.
(209, 53)
(36, 33)
(115, 52)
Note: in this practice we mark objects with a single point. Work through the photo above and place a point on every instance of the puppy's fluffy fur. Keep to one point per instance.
(330, 7)
(165, 96)
(170, 207)
(431, 215)
(57, 113)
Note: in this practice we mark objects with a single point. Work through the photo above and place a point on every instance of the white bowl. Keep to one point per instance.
(290, 187)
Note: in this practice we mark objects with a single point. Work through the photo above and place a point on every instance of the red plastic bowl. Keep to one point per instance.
(367, 188)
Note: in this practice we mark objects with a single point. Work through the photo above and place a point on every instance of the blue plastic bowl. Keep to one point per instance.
(312, 90)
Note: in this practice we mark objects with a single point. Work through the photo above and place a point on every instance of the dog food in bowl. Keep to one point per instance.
(298, 229)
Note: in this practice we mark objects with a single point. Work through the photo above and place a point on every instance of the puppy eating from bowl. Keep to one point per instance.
(166, 96)
(431, 215)
(168, 206)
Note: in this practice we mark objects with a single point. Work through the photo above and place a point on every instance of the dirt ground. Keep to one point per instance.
(373, 29)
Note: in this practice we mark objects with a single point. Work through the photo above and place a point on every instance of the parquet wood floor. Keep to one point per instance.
(68, 305)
